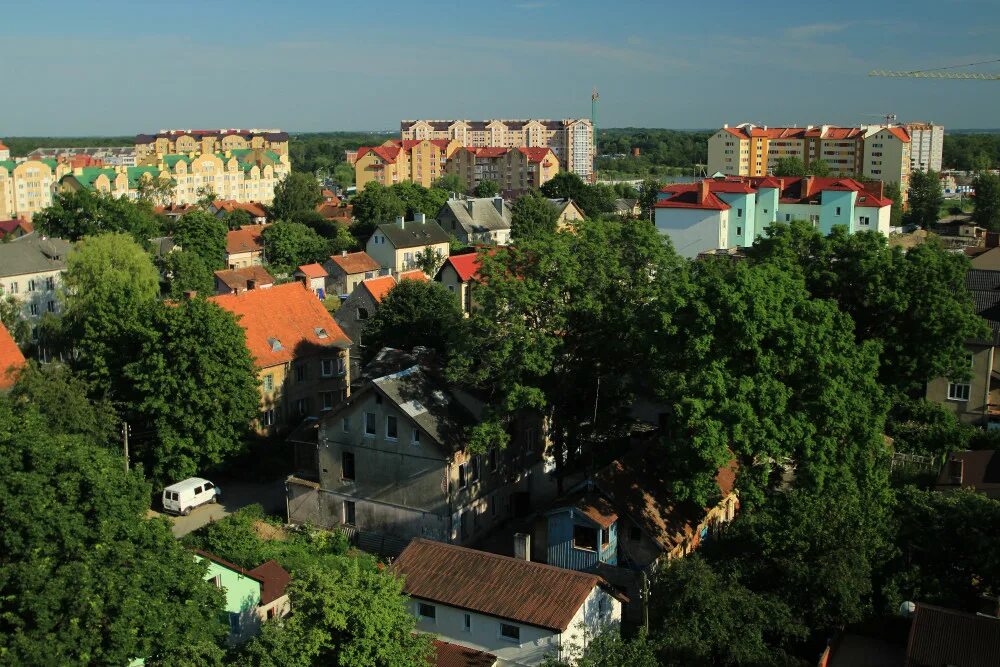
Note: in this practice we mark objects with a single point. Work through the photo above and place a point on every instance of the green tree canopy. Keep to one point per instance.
(374, 205)
(413, 313)
(187, 271)
(195, 388)
(987, 201)
(296, 192)
(892, 192)
(450, 183)
(288, 245)
(649, 192)
(84, 576)
(74, 215)
(926, 198)
(533, 215)
(203, 234)
(593, 199)
(818, 168)
(487, 188)
(789, 166)
(237, 218)
(10, 316)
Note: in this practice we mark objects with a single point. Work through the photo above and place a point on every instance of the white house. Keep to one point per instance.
(520, 611)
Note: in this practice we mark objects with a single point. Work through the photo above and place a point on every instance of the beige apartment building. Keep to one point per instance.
(514, 169)
(875, 152)
(149, 148)
(926, 146)
(26, 187)
(421, 161)
(571, 139)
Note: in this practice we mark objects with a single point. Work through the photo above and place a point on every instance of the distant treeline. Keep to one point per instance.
(661, 152)
(980, 150)
(322, 152)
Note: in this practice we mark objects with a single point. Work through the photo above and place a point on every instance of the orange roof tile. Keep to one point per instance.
(535, 154)
(283, 322)
(466, 266)
(274, 579)
(379, 287)
(453, 655)
(313, 270)
(239, 278)
(11, 359)
(245, 239)
(415, 274)
(387, 153)
(355, 262)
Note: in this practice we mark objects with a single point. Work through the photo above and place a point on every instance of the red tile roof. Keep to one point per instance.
(453, 655)
(509, 588)
(3, 147)
(355, 262)
(414, 274)
(8, 226)
(11, 359)
(689, 199)
(238, 279)
(901, 133)
(387, 153)
(282, 322)
(379, 287)
(536, 154)
(245, 239)
(229, 205)
(466, 266)
(313, 270)
(487, 151)
(274, 578)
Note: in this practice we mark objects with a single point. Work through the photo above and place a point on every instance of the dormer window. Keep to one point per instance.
(275, 344)
(321, 332)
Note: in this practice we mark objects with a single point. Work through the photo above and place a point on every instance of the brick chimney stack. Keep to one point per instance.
(703, 190)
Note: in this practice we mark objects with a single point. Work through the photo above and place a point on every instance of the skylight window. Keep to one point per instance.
(321, 332)
(275, 344)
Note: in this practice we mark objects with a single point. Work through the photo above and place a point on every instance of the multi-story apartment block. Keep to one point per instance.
(240, 175)
(926, 146)
(113, 156)
(26, 186)
(4, 152)
(150, 148)
(419, 160)
(513, 169)
(876, 152)
(571, 139)
(722, 213)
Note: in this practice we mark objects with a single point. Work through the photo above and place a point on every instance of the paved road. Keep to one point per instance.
(235, 494)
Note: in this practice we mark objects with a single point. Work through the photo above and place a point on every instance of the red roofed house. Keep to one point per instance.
(234, 281)
(244, 246)
(299, 350)
(313, 276)
(520, 611)
(458, 274)
(418, 160)
(15, 229)
(221, 207)
(346, 270)
(730, 212)
(11, 359)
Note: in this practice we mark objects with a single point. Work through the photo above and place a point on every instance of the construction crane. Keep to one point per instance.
(942, 72)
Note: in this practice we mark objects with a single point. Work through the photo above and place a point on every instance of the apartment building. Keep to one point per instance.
(31, 269)
(26, 186)
(113, 156)
(513, 169)
(149, 148)
(418, 160)
(4, 151)
(926, 146)
(240, 175)
(875, 152)
(571, 139)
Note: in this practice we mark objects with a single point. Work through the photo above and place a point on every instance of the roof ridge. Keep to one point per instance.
(529, 563)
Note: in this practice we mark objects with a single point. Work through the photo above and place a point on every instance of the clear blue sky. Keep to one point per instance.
(124, 67)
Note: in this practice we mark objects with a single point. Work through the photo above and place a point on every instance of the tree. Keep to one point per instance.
(789, 166)
(60, 399)
(187, 271)
(987, 201)
(195, 388)
(918, 426)
(354, 615)
(343, 175)
(74, 215)
(607, 648)
(374, 205)
(413, 313)
(818, 168)
(593, 199)
(532, 215)
(10, 317)
(429, 261)
(85, 577)
(203, 234)
(450, 183)
(487, 188)
(896, 212)
(237, 218)
(296, 192)
(288, 245)
(155, 191)
(110, 285)
(649, 192)
(926, 198)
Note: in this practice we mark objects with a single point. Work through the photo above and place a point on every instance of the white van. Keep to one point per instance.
(182, 497)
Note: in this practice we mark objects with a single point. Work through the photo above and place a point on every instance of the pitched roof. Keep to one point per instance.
(245, 239)
(229, 205)
(689, 199)
(11, 359)
(536, 154)
(283, 322)
(355, 262)
(484, 216)
(387, 153)
(940, 636)
(453, 655)
(238, 279)
(379, 287)
(312, 270)
(413, 274)
(466, 266)
(8, 226)
(412, 234)
(33, 253)
(980, 469)
(275, 579)
(509, 588)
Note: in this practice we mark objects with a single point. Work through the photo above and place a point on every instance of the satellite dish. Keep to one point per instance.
(907, 609)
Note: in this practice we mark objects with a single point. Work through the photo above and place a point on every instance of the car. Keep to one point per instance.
(182, 497)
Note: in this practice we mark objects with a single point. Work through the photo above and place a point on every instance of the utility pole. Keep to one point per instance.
(125, 431)
(644, 594)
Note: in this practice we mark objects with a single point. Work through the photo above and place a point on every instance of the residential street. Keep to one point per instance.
(235, 494)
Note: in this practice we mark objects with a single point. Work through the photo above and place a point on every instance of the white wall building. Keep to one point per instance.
(926, 146)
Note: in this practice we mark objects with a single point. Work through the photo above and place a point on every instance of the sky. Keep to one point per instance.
(74, 68)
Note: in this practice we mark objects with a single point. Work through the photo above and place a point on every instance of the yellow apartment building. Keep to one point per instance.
(26, 187)
(420, 161)
(149, 148)
(514, 169)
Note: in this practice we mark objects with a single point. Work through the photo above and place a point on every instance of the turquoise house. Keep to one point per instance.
(252, 596)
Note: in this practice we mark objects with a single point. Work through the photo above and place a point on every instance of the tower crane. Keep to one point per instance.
(942, 72)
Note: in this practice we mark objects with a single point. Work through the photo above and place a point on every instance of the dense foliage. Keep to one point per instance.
(74, 215)
(661, 152)
(413, 313)
(987, 201)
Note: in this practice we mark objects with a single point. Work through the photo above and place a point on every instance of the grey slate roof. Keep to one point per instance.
(484, 217)
(413, 234)
(985, 289)
(33, 253)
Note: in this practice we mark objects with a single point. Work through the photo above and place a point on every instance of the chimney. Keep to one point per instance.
(807, 183)
(343, 253)
(251, 284)
(420, 218)
(956, 471)
(703, 190)
(498, 204)
(522, 546)
(401, 221)
(468, 205)
(190, 294)
(725, 126)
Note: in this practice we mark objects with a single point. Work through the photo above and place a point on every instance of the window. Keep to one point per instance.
(51, 306)
(13, 288)
(50, 283)
(326, 368)
(31, 285)
(838, 210)
(302, 406)
(329, 400)
(958, 391)
(427, 612)
(362, 313)
(347, 424)
(634, 534)
(739, 211)
(349, 513)
(270, 613)
(267, 418)
(511, 633)
(347, 465)
(739, 231)
(493, 459)
(369, 423)
(341, 366)
(216, 580)
(415, 438)
(467, 623)
(788, 217)
(300, 372)
(584, 537)
(33, 308)
(461, 476)
(605, 537)
(864, 220)
(234, 623)
(474, 463)
(391, 428)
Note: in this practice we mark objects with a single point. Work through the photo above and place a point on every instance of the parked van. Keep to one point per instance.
(182, 497)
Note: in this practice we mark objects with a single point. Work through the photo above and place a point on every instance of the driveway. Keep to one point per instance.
(235, 495)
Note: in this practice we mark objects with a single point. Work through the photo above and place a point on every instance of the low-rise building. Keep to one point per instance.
(221, 207)
(978, 470)
(459, 274)
(245, 246)
(476, 220)
(235, 281)
(113, 156)
(15, 229)
(252, 596)
(299, 350)
(522, 612)
(397, 246)
(347, 270)
(31, 269)
(313, 277)
(568, 212)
